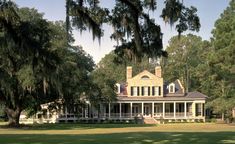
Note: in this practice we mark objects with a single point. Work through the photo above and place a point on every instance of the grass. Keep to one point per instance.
(119, 133)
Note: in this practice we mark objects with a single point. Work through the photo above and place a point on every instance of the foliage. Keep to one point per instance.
(37, 65)
(222, 61)
(184, 56)
(208, 67)
(137, 32)
(111, 66)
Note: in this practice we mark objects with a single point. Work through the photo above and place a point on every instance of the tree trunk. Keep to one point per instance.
(13, 117)
(222, 118)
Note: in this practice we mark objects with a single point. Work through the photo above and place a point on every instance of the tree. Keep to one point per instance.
(184, 57)
(74, 76)
(111, 66)
(221, 62)
(138, 33)
(27, 58)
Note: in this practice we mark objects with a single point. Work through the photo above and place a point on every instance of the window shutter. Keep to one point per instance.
(159, 91)
(142, 91)
(131, 91)
(153, 91)
(138, 91)
(148, 91)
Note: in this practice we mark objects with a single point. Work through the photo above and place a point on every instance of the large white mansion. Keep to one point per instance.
(144, 96)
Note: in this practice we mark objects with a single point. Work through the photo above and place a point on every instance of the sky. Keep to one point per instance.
(208, 11)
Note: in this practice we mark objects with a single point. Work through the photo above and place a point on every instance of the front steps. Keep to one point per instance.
(150, 120)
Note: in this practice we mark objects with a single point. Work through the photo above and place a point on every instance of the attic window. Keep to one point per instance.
(172, 88)
(145, 77)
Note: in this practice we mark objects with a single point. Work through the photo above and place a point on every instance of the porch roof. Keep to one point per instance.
(189, 96)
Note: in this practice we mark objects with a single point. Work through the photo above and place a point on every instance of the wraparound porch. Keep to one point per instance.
(157, 110)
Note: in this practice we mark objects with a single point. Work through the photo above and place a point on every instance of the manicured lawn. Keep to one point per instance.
(119, 133)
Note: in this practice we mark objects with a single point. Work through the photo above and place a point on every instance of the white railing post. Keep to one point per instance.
(185, 109)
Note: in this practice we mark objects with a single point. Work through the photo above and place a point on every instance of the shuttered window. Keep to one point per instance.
(153, 91)
(131, 91)
(159, 91)
(148, 91)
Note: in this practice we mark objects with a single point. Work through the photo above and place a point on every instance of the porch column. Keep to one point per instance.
(48, 113)
(193, 109)
(120, 110)
(163, 109)
(109, 110)
(131, 109)
(66, 112)
(201, 109)
(174, 108)
(142, 108)
(152, 109)
(185, 109)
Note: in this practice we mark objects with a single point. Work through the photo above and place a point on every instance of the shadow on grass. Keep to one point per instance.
(124, 138)
(72, 126)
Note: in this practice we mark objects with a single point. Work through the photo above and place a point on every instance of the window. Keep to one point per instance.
(134, 91)
(171, 88)
(144, 77)
(155, 91)
(145, 91)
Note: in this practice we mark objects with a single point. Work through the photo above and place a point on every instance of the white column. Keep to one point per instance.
(185, 109)
(152, 109)
(201, 110)
(66, 112)
(109, 110)
(131, 109)
(163, 109)
(48, 113)
(120, 110)
(142, 108)
(174, 108)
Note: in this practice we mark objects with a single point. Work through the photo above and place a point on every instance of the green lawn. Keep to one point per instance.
(119, 133)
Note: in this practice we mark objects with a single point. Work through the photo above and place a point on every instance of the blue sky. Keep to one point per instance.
(208, 10)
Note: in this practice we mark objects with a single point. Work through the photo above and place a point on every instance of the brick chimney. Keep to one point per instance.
(158, 71)
(128, 72)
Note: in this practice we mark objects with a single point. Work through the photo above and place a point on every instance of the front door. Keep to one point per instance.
(147, 112)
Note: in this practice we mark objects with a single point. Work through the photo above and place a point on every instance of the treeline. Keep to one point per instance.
(207, 66)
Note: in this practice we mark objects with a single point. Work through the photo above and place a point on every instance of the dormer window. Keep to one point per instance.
(172, 88)
(144, 77)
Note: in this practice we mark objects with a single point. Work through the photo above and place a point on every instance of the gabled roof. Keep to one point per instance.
(145, 72)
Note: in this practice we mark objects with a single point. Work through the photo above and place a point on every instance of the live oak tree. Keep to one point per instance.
(37, 65)
(137, 34)
(26, 58)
